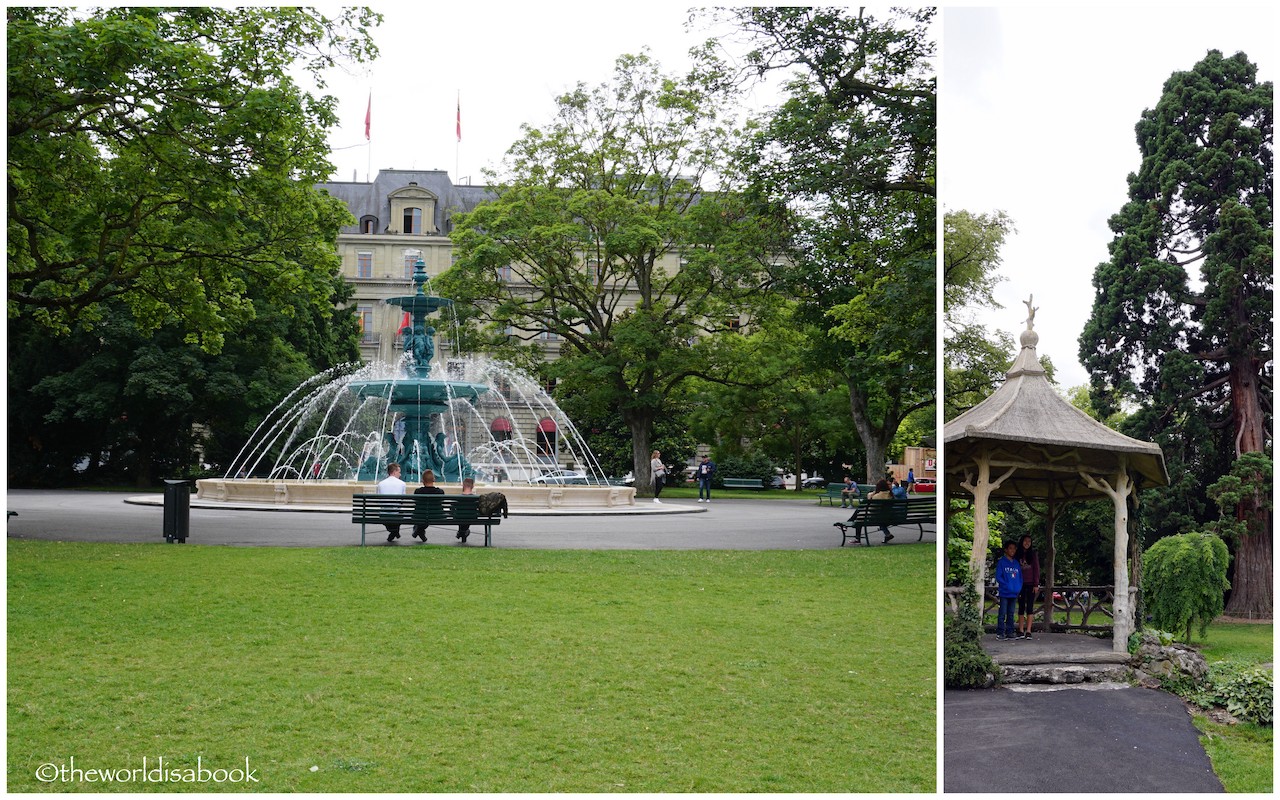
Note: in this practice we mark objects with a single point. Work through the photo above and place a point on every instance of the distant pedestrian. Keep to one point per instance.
(659, 474)
(703, 473)
(911, 479)
(1029, 561)
(1009, 585)
(392, 485)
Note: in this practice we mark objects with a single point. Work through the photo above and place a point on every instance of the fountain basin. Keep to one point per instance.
(337, 494)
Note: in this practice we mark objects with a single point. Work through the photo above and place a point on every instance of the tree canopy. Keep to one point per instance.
(165, 157)
(617, 232)
(1181, 323)
(852, 154)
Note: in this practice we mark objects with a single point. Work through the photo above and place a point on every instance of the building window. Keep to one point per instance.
(733, 324)
(504, 273)
(548, 336)
(546, 437)
(411, 258)
(549, 385)
(364, 264)
(364, 318)
(413, 220)
(368, 224)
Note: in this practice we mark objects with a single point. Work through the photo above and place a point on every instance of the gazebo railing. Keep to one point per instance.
(1083, 602)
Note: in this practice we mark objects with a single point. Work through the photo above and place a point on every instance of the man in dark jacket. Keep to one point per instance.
(703, 473)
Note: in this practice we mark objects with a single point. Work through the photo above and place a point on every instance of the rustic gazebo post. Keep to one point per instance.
(1043, 449)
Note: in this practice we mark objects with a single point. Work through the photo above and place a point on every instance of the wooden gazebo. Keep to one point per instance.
(1027, 442)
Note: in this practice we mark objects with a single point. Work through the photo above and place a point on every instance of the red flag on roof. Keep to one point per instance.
(368, 115)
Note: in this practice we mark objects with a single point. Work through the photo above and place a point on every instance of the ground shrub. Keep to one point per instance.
(1184, 581)
(965, 664)
(1244, 690)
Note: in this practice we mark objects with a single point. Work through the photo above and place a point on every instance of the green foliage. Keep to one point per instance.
(606, 233)
(166, 158)
(1184, 579)
(744, 465)
(851, 152)
(965, 664)
(1244, 498)
(1193, 350)
(1244, 690)
(974, 359)
(960, 541)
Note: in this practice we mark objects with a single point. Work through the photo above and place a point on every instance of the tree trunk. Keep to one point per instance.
(641, 425)
(873, 439)
(1251, 590)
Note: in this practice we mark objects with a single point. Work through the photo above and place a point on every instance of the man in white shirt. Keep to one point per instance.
(392, 485)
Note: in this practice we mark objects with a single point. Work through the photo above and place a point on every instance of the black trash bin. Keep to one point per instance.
(177, 510)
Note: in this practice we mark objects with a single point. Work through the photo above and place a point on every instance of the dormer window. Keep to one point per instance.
(369, 224)
(412, 220)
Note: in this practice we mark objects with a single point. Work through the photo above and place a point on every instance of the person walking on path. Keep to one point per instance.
(392, 485)
(1029, 560)
(911, 479)
(704, 472)
(659, 474)
(428, 487)
(1009, 582)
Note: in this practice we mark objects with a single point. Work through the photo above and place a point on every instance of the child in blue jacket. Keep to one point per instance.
(1009, 583)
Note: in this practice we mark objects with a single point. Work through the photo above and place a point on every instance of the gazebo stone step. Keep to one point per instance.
(1064, 673)
(1028, 659)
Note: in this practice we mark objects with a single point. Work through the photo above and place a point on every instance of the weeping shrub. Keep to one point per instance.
(1185, 580)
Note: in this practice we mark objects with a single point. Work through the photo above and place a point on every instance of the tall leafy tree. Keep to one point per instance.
(974, 358)
(165, 157)
(1182, 313)
(617, 231)
(851, 152)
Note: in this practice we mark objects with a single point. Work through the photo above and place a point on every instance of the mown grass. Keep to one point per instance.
(1241, 754)
(473, 670)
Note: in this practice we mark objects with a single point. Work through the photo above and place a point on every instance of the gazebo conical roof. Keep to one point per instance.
(1028, 424)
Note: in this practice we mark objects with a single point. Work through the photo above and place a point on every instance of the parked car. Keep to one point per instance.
(925, 485)
(561, 476)
(777, 482)
(814, 482)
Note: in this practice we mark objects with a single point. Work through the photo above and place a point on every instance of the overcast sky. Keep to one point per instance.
(1037, 109)
(503, 64)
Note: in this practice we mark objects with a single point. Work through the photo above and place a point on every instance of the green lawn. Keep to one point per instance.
(1241, 754)
(475, 670)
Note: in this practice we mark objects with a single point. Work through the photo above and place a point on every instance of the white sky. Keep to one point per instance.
(505, 64)
(1037, 109)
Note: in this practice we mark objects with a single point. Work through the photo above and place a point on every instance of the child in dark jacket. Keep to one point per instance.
(1009, 583)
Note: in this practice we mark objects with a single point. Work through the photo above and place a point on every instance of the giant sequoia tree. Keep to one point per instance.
(166, 157)
(852, 152)
(1182, 315)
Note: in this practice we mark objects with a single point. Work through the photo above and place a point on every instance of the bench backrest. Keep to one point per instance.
(889, 512)
(416, 508)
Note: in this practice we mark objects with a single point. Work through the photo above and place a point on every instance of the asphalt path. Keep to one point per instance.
(748, 524)
(1114, 740)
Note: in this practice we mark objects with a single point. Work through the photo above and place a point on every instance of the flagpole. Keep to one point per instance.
(458, 144)
(368, 119)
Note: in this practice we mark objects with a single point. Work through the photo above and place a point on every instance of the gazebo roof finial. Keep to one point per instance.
(1027, 361)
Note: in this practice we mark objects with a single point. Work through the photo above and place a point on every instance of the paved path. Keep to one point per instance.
(1071, 740)
(775, 524)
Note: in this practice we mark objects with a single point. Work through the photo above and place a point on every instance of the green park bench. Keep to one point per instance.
(419, 509)
(743, 483)
(833, 490)
(872, 514)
